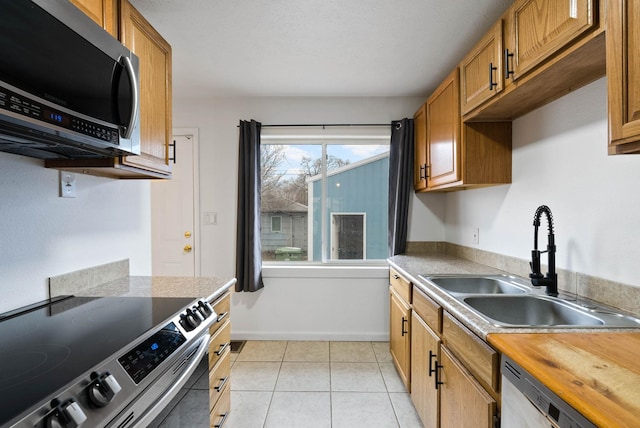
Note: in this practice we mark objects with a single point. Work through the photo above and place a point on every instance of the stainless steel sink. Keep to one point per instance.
(490, 284)
(531, 310)
(508, 301)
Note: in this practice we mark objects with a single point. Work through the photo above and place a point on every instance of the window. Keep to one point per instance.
(348, 236)
(329, 188)
(276, 223)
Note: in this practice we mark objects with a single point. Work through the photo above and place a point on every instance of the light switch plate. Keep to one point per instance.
(67, 185)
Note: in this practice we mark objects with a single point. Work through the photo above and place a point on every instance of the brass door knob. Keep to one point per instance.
(187, 248)
(187, 234)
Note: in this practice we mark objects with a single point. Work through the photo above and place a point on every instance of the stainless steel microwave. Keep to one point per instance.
(68, 89)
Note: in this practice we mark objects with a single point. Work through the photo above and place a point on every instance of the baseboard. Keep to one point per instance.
(311, 336)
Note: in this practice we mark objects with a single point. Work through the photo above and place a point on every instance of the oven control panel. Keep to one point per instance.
(141, 360)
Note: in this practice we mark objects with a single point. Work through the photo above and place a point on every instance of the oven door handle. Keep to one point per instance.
(162, 402)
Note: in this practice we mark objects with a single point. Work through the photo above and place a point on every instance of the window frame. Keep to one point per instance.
(273, 217)
(324, 137)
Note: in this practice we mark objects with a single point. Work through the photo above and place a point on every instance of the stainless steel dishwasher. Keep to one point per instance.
(527, 403)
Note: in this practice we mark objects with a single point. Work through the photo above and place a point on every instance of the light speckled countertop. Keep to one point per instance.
(412, 265)
(158, 286)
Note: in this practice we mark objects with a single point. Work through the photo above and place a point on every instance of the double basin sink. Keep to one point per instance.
(508, 301)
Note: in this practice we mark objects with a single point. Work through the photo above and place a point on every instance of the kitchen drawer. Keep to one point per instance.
(428, 310)
(219, 378)
(219, 343)
(400, 285)
(221, 308)
(220, 413)
(479, 358)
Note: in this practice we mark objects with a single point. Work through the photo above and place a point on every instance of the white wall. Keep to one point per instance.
(560, 160)
(42, 235)
(308, 305)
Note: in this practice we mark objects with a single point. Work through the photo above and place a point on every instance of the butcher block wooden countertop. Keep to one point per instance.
(598, 374)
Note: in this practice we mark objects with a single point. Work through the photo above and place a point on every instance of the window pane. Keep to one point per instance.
(347, 236)
(284, 170)
(276, 223)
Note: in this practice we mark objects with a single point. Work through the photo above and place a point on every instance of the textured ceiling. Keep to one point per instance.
(317, 47)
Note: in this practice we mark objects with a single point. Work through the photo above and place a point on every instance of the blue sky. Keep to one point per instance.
(351, 152)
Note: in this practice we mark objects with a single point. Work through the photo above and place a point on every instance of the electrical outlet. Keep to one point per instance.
(67, 185)
(476, 236)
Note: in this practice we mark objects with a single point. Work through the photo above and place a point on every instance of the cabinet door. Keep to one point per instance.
(425, 345)
(103, 13)
(400, 336)
(420, 149)
(481, 73)
(463, 402)
(443, 132)
(155, 89)
(623, 73)
(541, 27)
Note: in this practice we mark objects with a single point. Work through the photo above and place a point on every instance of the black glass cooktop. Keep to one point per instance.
(45, 349)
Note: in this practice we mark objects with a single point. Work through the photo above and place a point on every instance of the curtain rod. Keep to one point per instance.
(398, 125)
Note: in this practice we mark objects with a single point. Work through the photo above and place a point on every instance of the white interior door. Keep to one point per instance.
(174, 231)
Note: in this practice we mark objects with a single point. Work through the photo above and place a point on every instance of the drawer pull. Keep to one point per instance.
(223, 382)
(222, 348)
(396, 276)
(222, 316)
(222, 421)
(404, 321)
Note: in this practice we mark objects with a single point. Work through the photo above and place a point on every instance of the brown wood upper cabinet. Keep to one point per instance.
(623, 72)
(154, 53)
(155, 90)
(420, 149)
(481, 71)
(103, 12)
(461, 155)
(540, 28)
(549, 48)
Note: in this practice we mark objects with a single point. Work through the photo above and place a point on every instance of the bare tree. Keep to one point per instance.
(279, 193)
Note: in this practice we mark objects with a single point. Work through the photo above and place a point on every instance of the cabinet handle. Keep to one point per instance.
(432, 370)
(396, 276)
(175, 156)
(404, 321)
(492, 84)
(222, 421)
(507, 70)
(437, 372)
(222, 316)
(223, 382)
(222, 348)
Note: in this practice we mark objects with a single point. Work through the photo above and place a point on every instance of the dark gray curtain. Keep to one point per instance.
(400, 183)
(248, 246)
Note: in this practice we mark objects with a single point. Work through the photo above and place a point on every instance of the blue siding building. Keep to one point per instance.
(357, 211)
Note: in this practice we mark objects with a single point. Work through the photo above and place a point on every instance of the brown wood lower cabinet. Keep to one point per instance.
(400, 336)
(220, 363)
(463, 401)
(425, 354)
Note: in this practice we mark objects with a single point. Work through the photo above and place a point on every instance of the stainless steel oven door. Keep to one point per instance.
(150, 403)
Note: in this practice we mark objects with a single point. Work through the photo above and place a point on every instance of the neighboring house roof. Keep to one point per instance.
(283, 206)
(350, 166)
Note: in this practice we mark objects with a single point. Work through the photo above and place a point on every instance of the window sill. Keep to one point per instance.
(325, 271)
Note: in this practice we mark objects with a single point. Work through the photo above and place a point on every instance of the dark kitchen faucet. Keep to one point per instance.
(550, 280)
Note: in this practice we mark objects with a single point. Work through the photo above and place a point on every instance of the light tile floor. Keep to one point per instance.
(288, 384)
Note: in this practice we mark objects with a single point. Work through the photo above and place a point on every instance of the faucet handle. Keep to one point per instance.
(535, 264)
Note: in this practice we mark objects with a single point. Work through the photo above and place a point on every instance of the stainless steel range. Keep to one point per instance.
(98, 361)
